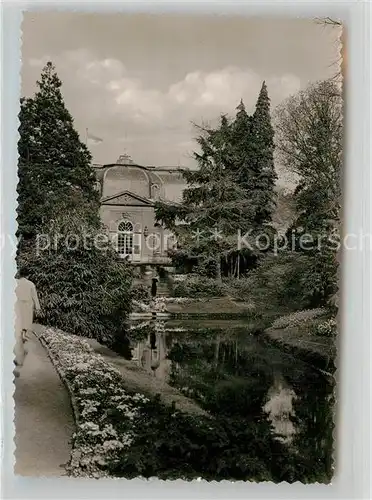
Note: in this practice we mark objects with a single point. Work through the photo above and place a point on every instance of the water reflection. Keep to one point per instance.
(151, 353)
(280, 409)
(232, 374)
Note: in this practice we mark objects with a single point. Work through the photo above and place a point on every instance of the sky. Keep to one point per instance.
(140, 81)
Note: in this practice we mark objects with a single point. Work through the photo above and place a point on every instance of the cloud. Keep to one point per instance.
(102, 94)
(198, 95)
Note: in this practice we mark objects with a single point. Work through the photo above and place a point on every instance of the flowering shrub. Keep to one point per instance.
(123, 435)
(97, 391)
(326, 328)
(140, 306)
(158, 305)
(178, 300)
(298, 318)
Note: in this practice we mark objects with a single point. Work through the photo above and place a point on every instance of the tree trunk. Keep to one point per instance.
(216, 351)
(218, 268)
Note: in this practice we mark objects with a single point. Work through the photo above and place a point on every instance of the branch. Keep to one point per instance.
(327, 21)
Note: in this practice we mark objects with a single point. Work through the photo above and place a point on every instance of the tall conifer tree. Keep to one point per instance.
(53, 162)
(214, 206)
(241, 140)
(262, 160)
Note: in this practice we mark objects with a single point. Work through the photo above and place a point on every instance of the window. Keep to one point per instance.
(155, 191)
(125, 238)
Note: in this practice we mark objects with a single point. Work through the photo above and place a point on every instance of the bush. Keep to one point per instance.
(298, 318)
(325, 328)
(98, 392)
(199, 287)
(278, 284)
(141, 293)
(83, 290)
(240, 289)
(173, 445)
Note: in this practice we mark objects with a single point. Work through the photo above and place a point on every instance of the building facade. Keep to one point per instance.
(128, 193)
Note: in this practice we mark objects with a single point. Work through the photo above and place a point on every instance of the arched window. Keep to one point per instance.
(125, 237)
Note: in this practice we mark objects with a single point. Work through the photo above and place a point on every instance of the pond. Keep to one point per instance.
(233, 374)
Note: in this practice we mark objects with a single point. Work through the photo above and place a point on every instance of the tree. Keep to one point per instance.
(52, 159)
(309, 141)
(214, 206)
(241, 137)
(253, 141)
(83, 288)
(263, 158)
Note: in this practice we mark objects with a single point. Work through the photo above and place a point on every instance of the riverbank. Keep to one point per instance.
(136, 378)
(218, 307)
(319, 351)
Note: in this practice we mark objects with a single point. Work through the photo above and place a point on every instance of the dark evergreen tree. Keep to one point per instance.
(253, 142)
(262, 159)
(52, 159)
(83, 288)
(241, 136)
(214, 204)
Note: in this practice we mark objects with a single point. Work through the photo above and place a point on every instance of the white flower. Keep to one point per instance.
(97, 387)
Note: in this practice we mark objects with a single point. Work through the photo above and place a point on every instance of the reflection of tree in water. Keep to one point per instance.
(314, 413)
(280, 408)
(152, 349)
(253, 389)
(225, 377)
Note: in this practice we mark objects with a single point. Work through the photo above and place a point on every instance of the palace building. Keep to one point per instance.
(128, 193)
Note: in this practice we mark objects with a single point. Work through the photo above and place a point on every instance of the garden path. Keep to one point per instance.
(43, 416)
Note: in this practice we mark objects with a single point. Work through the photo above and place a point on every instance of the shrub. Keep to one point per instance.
(141, 293)
(240, 289)
(278, 284)
(98, 393)
(199, 287)
(173, 445)
(298, 318)
(83, 290)
(326, 328)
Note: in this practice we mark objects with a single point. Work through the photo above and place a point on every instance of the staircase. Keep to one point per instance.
(162, 290)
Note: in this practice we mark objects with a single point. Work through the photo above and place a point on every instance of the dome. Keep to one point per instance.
(121, 178)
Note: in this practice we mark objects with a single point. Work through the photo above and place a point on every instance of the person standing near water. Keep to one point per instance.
(27, 303)
(154, 286)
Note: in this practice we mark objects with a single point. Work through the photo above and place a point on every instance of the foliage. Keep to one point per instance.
(141, 293)
(98, 392)
(326, 328)
(310, 142)
(277, 282)
(199, 287)
(298, 318)
(231, 191)
(253, 140)
(53, 162)
(173, 445)
(309, 128)
(240, 289)
(83, 288)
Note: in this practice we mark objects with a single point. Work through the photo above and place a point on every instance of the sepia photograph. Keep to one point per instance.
(179, 246)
